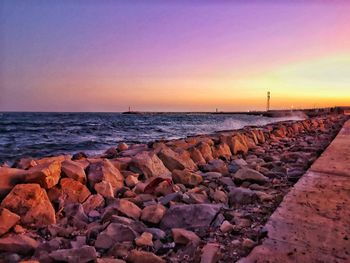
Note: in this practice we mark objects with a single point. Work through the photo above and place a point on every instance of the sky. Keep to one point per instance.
(173, 55)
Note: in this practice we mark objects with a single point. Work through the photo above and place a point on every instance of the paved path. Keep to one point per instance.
(312, 223)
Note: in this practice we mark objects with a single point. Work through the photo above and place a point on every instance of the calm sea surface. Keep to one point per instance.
(43, 134)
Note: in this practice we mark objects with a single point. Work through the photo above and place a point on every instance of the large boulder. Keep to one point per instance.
(205, 150)
(104, 170)
(148, 164)
(186, 177)
(250, 175)
(9, 177)
(176, 161)
(115, 233)
(74, 191)
(46, 174)
(221, 150)
(196, 155)
(20, 244)
(31, 203)
(74, 170)
(238, 145)
(190, 216)
(7, 220)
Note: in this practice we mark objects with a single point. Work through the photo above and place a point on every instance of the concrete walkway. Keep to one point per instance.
(312, 223)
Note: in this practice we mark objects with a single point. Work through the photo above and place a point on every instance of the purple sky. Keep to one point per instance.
(172, 55)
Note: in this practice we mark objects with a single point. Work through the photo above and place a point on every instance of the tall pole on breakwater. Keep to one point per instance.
(268, 101)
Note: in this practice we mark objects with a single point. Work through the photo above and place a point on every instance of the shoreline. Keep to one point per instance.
(205, 196)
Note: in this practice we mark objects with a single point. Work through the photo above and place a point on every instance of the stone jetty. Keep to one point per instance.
(201, 199)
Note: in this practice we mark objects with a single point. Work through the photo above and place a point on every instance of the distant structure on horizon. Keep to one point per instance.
(268, 101)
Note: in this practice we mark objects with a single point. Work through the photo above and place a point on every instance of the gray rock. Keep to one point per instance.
(190, 216)
(241, 196)
(250, 175)
(114, 233)
(83, 254)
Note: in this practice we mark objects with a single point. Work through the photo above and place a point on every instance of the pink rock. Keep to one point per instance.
(104, 188)
(46, 174)
(105, 171)
(20, 244)
(7, 220)
(9, 177)
(183, 236)
(31, 203)
(186, 177)
(149, 165)
(74, 170)
(176, 161)
(153, 213)
(137, 256)
(74, 191)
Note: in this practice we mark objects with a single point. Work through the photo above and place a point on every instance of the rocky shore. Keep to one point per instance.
(199, 199)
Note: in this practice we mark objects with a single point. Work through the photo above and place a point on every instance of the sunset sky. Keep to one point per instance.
(173, 55)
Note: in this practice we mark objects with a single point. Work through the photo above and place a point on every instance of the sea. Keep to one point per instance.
(28, 134)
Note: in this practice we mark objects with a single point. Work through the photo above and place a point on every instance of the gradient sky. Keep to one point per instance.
(173, 55)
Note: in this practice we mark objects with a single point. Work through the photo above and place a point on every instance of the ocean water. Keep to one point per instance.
(44, 134)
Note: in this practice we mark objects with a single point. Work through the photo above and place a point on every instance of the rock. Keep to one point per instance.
(196, 156)
(93, 202)
(137, 256)
(131, 181)
(105, 171)
(24, 163)
(156, 232)
(264, 197)
(75, 215)
(205, 150)
(220, 196)
(20, 244)
(183, 236)
(246, 174)
(221, 150)
(210, 253)
(153, 213)
(58, 158)
(122, 147)
(190, 216)
(73, 170)
(237, 145)
(226, 227)
(114, 233)
(215, 165)
(79, 156)
(241, 196)
(149, 165)
(248, 243)
(176, 161)
(46, 174)
(81, 255)
(110, 260)
(104, 188)
(121, 163)
(7, 220)
(186, 177)
(145, 240)
(74, 191)
(31, 203)
(80, 241)
(124, 207)
(9, 177)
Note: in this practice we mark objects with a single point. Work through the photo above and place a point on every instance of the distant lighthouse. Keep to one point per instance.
(268, 101)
